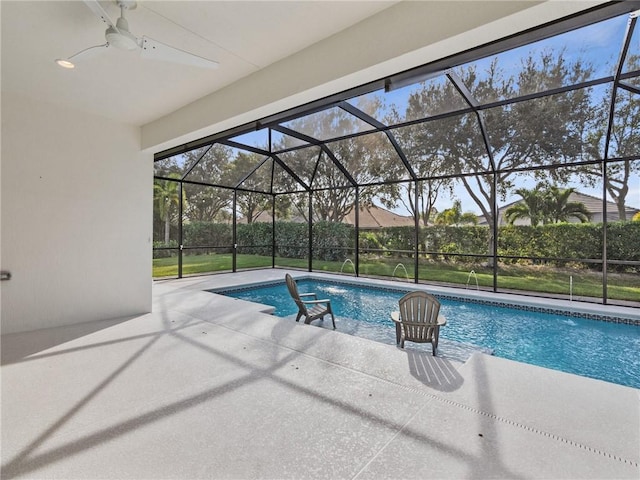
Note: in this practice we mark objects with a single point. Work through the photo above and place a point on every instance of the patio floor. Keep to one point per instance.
(206, 386)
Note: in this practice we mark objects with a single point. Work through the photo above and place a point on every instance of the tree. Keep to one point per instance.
(547, 204)
(366, 159)
(208, 203)
(532, 206)
(547, 130)
(257, 199)
(560, 209)
(624, 144)
(166, 196)
(421, 144)
(454, 216)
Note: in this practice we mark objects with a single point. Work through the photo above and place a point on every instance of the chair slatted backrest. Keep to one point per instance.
(419, 315)
(293, 291)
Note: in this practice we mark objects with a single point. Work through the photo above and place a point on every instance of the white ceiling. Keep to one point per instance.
(243, 37)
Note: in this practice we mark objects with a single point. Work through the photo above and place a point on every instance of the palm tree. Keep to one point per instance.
(532, 206)
(560, 209)
(166, 195)
(454, 216)
(547, 205)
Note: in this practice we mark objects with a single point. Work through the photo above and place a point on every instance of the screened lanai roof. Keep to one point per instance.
(559, 95)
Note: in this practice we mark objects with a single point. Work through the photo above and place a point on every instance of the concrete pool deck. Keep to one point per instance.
(207, 386)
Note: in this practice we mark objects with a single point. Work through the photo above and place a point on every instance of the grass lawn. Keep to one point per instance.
(512, 277)
(192, 264)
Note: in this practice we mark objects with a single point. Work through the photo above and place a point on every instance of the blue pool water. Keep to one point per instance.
(603, 350)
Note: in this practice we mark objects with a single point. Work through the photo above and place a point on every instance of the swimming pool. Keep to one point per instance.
(603, 350)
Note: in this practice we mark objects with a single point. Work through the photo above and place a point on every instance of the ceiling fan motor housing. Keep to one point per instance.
(120, 37)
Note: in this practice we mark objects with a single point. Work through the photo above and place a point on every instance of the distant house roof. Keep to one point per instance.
(593, 205)
(378, 217)
(369, 217)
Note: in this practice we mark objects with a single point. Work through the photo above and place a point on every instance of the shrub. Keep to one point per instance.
(207, 234)
(255, 238)
(368, 240)
(292, 240)
(622, 244)
(332, 241)
(398, 238)
(336, 241)
(160, 252)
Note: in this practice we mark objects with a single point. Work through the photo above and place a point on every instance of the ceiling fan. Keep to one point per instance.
(118, 36)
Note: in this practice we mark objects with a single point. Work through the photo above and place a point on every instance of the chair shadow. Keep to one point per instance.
(434, 372)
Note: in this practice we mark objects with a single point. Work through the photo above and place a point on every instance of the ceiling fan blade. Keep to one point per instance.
(154, 50)
(99, 12)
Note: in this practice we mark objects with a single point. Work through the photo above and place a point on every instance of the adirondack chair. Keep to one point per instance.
(418, 320)
(308, 304)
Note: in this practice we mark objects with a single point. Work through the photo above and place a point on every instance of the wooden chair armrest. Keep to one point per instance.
(313, 302)
(395, 316)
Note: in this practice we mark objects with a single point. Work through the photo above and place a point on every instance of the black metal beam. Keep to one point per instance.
(293, 175)
(273, 232)
(629, 88)
(454, 113)
(534, 34)
(190, 169)
(473, 103)
(628, 35)
(346, 106)
(498, 103)
(356, 253)
(310, 230)
(315, 167)
(616, 81)
(254, 170)
(180, 232)
(322, 145)
(296, 134)
(339, 165)
(234, 229)
(242, 146)
(202, 142)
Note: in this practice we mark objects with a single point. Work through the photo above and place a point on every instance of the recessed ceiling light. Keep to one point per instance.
(65, 63)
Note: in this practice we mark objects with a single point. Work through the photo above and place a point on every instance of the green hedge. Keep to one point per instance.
(197, 234)
(562, 240)
(255, 238)
(336, 241)
(623, 241)
(468, 239)
(332, 241)
(292, 240)
(161, 246)
(396, 239)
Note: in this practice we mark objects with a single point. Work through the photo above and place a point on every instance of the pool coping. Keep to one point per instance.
(605, 313)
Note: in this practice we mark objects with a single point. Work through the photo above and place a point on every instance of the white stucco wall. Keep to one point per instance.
(76, 217)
